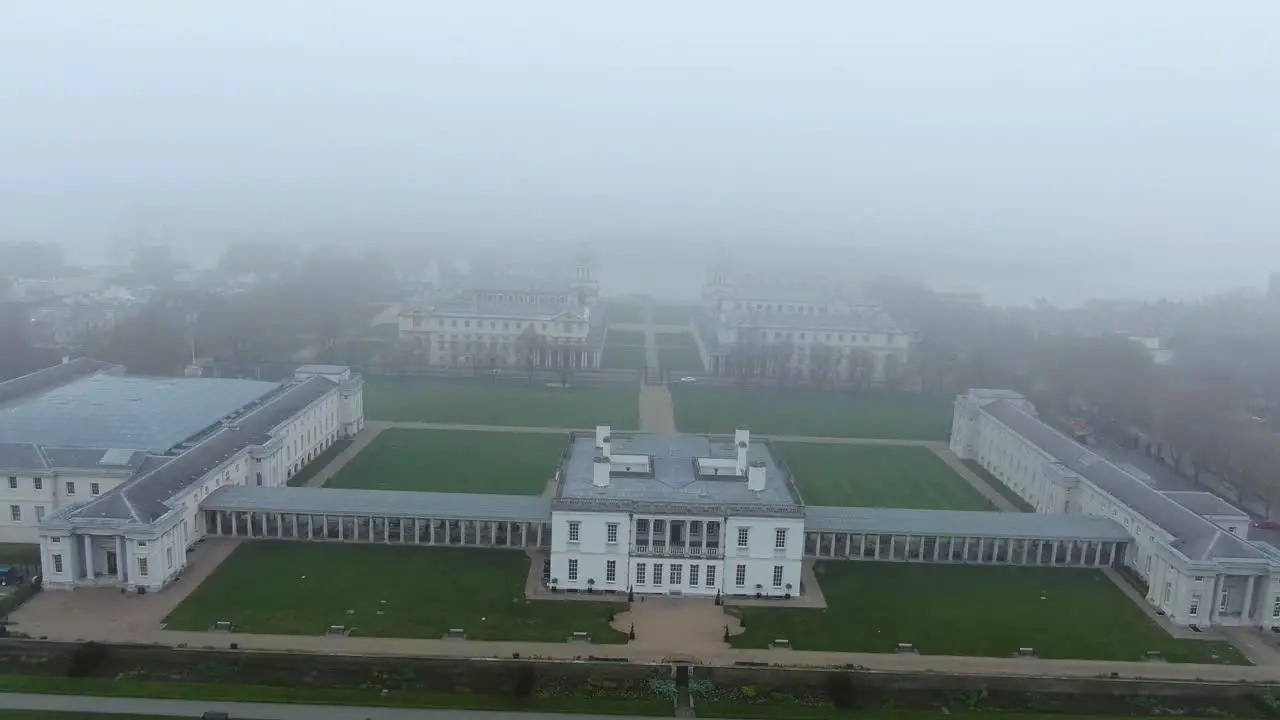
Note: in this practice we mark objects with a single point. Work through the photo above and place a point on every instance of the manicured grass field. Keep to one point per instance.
(463, 461)
(384, 591)
(974, 610)
(510, 401)
(827, 413)
(678, 353)
(878, 476)
(623, 350)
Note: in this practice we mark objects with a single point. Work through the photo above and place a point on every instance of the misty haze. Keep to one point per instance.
(720, 359)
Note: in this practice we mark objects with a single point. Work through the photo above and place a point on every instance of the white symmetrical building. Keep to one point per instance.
(1191, 548)
(752, 326)
(107, 472)
(510, 321)
(675, 514)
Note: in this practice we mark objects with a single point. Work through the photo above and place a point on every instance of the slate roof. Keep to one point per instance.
(389, 503)
(144, 499)
(92, 458)
(52, 377)
(1195, 537)
(21, 457)
(675, 479)
(991, 524)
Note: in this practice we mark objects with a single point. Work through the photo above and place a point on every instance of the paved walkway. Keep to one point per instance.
(259, 711)
(650, 340)
(982, 486)
(657, 414)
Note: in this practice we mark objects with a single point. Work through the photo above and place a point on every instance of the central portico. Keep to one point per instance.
(675, 515)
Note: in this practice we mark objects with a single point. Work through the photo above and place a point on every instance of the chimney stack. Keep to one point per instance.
(602, 432)
(741, 443)
(606, 448)
(755, 476)
(600, 471)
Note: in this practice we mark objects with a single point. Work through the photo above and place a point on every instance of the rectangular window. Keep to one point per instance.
(573, 570)
(1223, 599)
(740, 576)
(94, 488)
(574, 525)
(640, 573)
(15, 513)
(611, 571)
(693, 575)
(57, 563)
(657, 573)
(711, 576)
(742, 537)
(659, 529)
(777, 576)
(1168, 591)
(13, 483)
(780, 539)
(39, 513)
(71, 488)
(142, 566)
(168, 557)
(1275, 609)
(677, 573)
(1194, 610)
(611, 533)
(37, 483)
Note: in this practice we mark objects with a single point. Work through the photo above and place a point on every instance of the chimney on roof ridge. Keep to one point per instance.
(602, 432)
(741, 444)
(600, 471)
(756, 476)
(606, 447)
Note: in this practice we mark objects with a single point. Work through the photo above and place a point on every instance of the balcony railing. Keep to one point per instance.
(677, 551)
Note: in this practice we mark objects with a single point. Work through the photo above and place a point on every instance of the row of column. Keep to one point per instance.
(964, 549)
(692, 537)
(381, 529)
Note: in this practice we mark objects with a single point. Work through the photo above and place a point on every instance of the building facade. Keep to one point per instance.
(1191, 549)
(675, 515)
(115, 502)
(511, 322)
(751, 327)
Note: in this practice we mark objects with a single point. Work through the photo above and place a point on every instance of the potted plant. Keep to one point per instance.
(632, 634)
(759, 591)
(631, 594)
(788, 591)
(591, 584)
(726, 633)
(554, 583)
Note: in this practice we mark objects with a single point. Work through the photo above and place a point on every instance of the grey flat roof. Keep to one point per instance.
(393, 503)
(674, 477)
(144, 498)
(1195, 537)
(1204, 503)
(115, 411)
(320, 369)
(992, 524)
(21, 456)
(51, 377)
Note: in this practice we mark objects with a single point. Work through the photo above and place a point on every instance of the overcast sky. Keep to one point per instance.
(1123, 147)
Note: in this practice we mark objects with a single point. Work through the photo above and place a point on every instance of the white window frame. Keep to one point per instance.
(95, 488)
(611, 533)
(1194, 608)
(710, 576)
(575, 530)
(57, 563)
(573, 569)
(642, 574)
(13, 482)
(740, 576)
(15, 513)
(143, 566)
(693, 574)
(657, 573)
(676, 574)
(611, 571)
(780, 539)
(744, 536)
(37, 483)
(778, 573)
(71, 488)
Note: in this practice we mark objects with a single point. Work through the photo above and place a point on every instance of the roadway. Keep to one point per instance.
(259, 711)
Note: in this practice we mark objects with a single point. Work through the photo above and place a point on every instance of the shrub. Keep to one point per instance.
(840, 690)
(86, 658)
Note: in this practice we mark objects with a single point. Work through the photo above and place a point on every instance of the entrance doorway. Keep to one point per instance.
(112, 569)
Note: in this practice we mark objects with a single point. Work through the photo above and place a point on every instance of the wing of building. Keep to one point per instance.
(1190, 548)
(106, 471)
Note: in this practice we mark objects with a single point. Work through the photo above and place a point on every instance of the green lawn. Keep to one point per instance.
(47, 715)
(678, 353)
(384, 591)
(462, 461)
(827, 413)
(878, 476)
(510, 401)
(624, 337)
(975, 611)
(623, 357)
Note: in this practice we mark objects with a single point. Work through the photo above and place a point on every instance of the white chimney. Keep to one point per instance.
(600, 471)
(606, 447)
(741, 443)
(755, 476)
(602, 432)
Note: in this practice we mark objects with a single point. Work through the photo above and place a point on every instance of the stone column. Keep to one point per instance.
(1248, 598)
(862, 546)
(122, 560)
(248, 522)
(1053, 555)
(965, 549)
(88, 556)
(876, 552)
(279, 525)
(937, 547)
(539, 534)
(1026, 545)
(217, 515)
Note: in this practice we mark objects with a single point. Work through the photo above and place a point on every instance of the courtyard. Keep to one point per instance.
(772, 410)
(511, 400)
(623, 350)
(290, 588)
(989, 611)
(891, 476)
(464, 461)
(678, 353)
